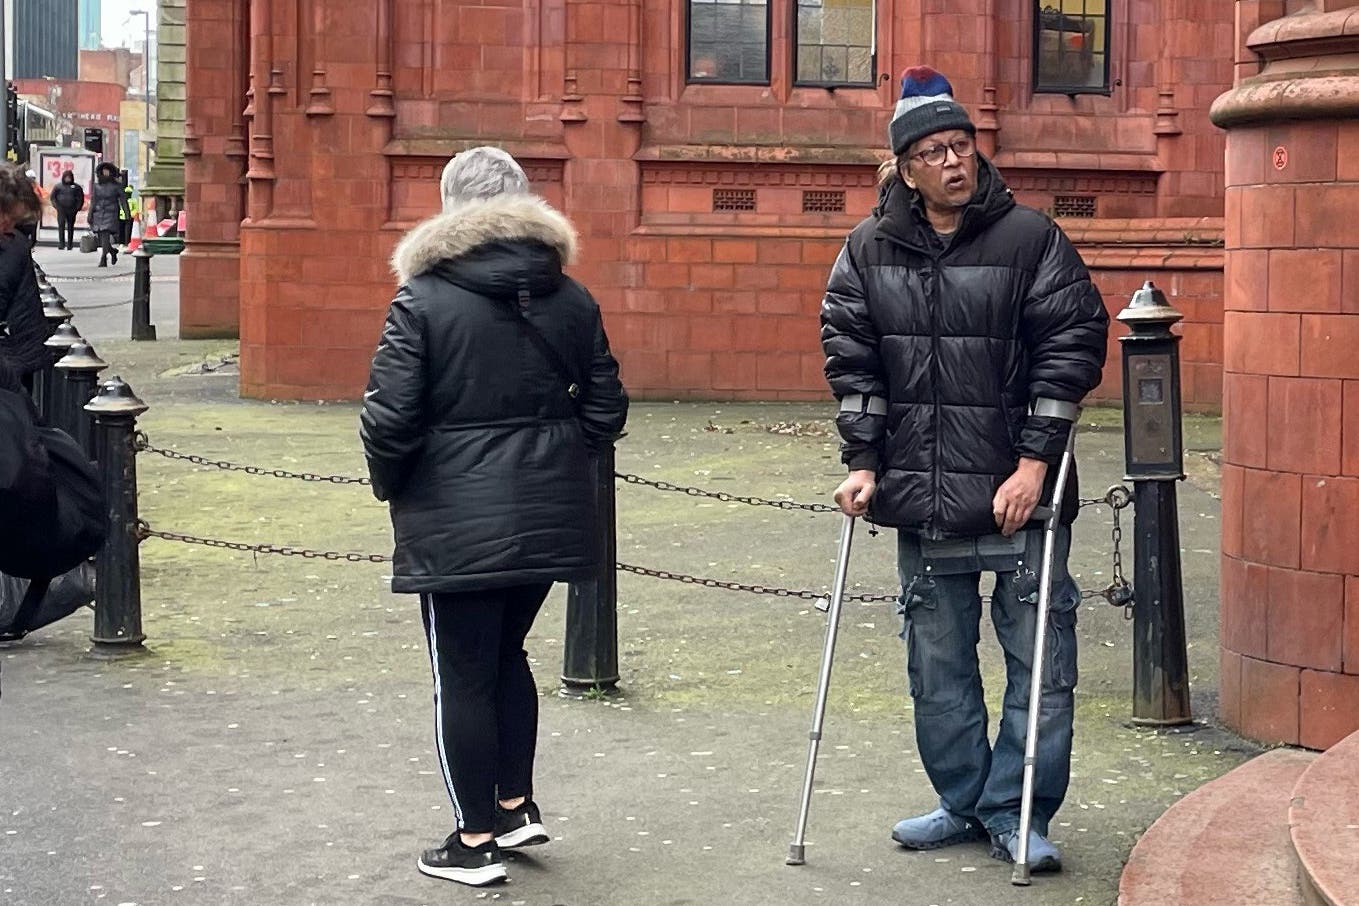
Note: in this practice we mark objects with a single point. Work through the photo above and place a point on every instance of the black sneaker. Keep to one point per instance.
(474, 865)
(522, 826)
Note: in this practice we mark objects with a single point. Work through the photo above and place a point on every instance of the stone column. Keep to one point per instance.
(1290, 482)
(165, 182)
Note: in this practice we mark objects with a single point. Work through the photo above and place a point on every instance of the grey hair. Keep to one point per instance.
(481, 173)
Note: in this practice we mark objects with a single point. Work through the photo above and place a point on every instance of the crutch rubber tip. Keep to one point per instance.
(796, 854)
(1019, 877)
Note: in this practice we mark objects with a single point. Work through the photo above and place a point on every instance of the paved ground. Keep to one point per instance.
(273, 746)
(102, 297)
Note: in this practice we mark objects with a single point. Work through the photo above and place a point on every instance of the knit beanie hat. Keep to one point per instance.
(926, 106)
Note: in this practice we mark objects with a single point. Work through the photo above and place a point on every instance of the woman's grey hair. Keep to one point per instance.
(480, 173)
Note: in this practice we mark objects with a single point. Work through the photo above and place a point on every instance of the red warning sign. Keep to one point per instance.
(1280, 157)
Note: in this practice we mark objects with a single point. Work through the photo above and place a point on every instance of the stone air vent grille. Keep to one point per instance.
(1073, 206)
(823, 202)
(733, 199)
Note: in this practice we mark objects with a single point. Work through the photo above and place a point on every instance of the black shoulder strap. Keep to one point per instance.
(554, 358)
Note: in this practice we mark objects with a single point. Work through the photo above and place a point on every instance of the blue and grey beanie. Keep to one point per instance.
(926, 106)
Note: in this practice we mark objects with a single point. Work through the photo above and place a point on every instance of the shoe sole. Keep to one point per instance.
(1045, 865)
(473, 877)
(528, 835)
(967, 836)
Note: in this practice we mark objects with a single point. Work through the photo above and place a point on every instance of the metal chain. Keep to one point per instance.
(1118, 592)
(144, 531)
(102, 305)
(724, 496)
(143, 443)
(739, 586)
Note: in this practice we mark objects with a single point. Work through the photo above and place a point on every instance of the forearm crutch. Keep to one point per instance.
(1020, 875)
(797, 850)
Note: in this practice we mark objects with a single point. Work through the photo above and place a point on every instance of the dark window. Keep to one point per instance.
(733, 199)
(817, 201)
(729, 41)
(835, 43)
(1071, 46)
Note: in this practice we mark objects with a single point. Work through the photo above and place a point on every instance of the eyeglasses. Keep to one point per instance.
(935, 155)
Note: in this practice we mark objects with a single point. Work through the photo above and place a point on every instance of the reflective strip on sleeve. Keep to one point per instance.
(857, 402)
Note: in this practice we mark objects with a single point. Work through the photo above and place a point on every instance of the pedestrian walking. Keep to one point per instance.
(491, 385)
(961, 329)
(128, 215)
(23, 329)
(108, 205)
(68, 197)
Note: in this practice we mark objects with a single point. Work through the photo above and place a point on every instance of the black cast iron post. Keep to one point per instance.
(142, 328)
(118, 593)
(49, 388)
(79, 370)
(1154, 455)
(55, 313)
(591, 648)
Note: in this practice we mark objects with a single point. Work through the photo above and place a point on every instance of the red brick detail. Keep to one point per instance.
(1330, 708)
(1328, 344)
(1304, 433)
(1229, 687)
(1269, 701)
(1330, 511)
(1271, 516)
(1245, 419)
(1304, 280)
(1233, 480)
(1261, 343)
(1244, 607)
(1350, 645)
(1306, 616)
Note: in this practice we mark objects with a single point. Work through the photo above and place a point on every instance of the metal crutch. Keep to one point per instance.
(1020, 875)
(797, 850)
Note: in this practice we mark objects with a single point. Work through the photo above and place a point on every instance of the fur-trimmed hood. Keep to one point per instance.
(463, 228)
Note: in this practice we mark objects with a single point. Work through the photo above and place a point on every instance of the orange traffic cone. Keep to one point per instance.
(150, 230)
(136, 242)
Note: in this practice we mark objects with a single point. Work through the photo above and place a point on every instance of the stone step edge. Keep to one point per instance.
(1318, 891)
(1144, 872)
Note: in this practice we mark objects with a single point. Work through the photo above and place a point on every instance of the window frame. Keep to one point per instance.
(768, 49)
(796, 50)
(1105, 89)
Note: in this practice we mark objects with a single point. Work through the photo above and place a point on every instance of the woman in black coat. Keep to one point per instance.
(490, 387)
(23, 329)
(107, 201)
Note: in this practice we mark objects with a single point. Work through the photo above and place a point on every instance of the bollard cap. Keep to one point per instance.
(65, 337)
(115, 397)
(1149, 306)
(82, 357)
(54, 305)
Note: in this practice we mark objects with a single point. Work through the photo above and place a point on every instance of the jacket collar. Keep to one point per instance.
(463, 228)
(901, 212)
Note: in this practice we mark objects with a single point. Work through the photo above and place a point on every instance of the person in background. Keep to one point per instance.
(491, 385)
(108, 205)
(67, 198)
(133, 208)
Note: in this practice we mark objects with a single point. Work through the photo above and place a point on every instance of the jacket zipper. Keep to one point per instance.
(934, 375)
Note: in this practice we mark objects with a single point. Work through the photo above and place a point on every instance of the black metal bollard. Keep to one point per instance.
(49, 391)
(1154, 454)
(118, 592)
(79, 370)
(142, 328)
(590, 658)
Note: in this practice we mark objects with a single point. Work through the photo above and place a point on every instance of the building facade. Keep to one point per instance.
(91, 19)
(712, 154)
(46, 39)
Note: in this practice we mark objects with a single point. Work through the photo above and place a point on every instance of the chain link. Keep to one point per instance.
(144, 531)
(801, 594)
(725, 497)
(144, 444)
(1118, 592)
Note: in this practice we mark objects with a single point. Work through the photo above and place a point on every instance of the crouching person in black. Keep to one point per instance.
(491, 385)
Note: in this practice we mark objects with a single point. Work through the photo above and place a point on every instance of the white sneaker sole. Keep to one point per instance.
(528, 835)
(475, 877)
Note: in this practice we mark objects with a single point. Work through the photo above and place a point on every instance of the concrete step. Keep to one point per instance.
(1324, 822)
(1225, 844)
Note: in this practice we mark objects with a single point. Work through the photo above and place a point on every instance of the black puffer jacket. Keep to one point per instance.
(469, 430)
(24, 329)
(959, 341)
(108, 203)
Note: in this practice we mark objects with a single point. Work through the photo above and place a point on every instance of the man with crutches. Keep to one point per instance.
(961, 330)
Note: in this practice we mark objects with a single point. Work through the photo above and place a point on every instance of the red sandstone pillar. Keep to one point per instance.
(1290, 481)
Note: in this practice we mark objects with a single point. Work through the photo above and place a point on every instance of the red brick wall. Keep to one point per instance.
(354, 108)
(1290, 482)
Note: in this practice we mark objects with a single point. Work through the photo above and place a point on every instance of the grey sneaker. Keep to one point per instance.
(937, 829)
(1043, 856)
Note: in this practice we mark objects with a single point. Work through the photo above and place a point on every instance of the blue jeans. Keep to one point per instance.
(942, 631)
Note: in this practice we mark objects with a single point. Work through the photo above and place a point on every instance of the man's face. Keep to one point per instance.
(952, 180)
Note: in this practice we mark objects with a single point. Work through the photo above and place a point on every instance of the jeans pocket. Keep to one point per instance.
(1061, 649)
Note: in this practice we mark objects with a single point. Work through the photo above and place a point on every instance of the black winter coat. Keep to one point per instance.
(960, 341)
(24, 328)
(107, 203)
(68, 198)
(469, 430)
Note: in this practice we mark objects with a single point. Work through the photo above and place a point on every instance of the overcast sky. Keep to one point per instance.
(120, 29)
